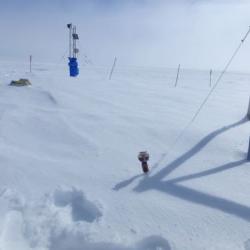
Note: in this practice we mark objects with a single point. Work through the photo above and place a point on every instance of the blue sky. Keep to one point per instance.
(195, 33)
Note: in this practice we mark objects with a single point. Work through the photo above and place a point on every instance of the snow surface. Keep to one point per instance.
(70, 178)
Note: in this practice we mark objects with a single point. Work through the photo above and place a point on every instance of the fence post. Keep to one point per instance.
(177, 76)
(210, 82)
(30, 63)
(112, 69)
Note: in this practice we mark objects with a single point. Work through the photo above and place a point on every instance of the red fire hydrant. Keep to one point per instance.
(143, 158)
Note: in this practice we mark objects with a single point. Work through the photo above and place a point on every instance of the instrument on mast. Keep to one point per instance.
(73, 51)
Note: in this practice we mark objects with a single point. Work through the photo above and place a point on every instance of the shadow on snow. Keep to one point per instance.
(171, 187)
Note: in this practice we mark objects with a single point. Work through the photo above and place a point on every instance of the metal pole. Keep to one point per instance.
(210, 82)
(74, 42)
(112, 69)
(70, 40)
(73, 50)
(248, 155)
(30, 63)
(248, 112)
(177, 76)
(245, 37)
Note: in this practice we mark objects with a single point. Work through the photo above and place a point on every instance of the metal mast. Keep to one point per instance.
(70, 38)
(73, 51)
(75, 37)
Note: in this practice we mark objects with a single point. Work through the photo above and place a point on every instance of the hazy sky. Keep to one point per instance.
(194, 33)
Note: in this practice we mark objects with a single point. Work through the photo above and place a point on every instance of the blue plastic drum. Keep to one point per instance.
(73, 67)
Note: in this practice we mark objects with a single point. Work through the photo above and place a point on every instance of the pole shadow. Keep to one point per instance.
(208, 172)
(125, 183)
(200, 198)
(195, 149)
(171, 187)
(185, 157)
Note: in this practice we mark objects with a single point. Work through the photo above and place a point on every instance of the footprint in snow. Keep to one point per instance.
(247, 245)
(153, 242)
(81, 208)
(12, 236)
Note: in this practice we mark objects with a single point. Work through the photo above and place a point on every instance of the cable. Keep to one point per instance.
(206, 98)
(220, 76)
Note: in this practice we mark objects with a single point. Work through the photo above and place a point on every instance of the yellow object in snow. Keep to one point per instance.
(21, 82)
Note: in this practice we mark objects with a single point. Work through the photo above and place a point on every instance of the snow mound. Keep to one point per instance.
(31, 123)
(30, 97)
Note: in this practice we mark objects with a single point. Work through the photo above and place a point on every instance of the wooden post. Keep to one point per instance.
(112, 69)
(177, 76)
(30, 63)
(210, 81)
(248, 155)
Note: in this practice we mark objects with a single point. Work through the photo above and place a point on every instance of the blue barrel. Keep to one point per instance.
(73, 67)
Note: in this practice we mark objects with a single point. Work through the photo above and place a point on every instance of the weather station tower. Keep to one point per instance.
(73, 51)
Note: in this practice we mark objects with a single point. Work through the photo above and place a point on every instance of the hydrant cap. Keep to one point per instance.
(143, 156)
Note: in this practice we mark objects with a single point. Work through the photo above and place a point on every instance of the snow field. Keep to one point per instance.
(63, 138)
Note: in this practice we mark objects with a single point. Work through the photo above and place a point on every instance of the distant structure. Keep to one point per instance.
(73, 51)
